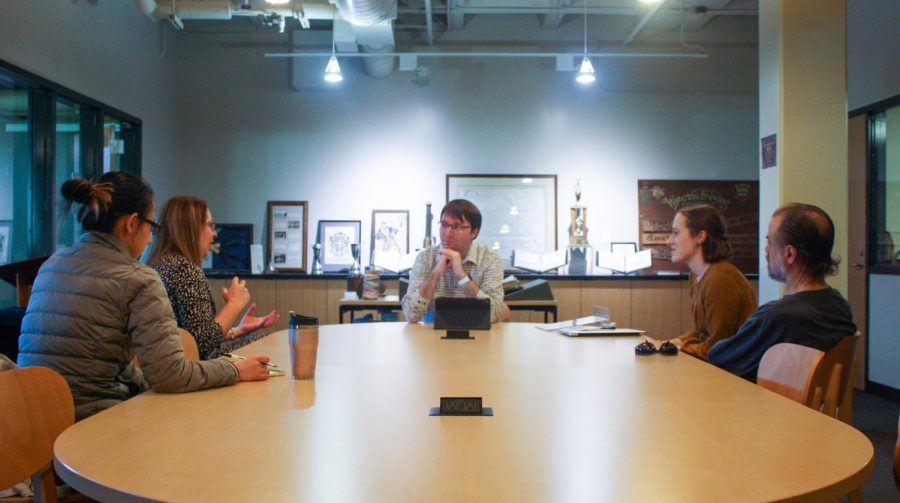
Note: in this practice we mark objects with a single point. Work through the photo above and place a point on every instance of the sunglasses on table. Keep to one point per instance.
(647, 348)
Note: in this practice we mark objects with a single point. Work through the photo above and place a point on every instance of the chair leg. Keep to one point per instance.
(43, 484)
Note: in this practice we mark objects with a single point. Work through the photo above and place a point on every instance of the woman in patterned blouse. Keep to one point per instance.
(186, 232)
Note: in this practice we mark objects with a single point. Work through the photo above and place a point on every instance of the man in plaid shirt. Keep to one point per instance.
(457, 267)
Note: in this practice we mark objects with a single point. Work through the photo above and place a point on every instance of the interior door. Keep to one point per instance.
(856, 262)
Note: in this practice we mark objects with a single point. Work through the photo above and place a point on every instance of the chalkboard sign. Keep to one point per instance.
(658, 200)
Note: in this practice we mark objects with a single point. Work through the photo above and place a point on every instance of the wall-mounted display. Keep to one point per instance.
(390, 233)
(231, 249)
(336, 236)
(659, 200)
(518, 212)
(286, 235)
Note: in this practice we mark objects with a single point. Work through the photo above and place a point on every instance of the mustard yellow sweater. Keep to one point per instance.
(720, 302)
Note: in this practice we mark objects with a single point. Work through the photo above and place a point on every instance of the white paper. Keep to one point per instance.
(393, 262)
(539, 263)
(625, 262)
(256, 259)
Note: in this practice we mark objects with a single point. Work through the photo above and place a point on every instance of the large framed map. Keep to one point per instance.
(518, 212)
(738, 200)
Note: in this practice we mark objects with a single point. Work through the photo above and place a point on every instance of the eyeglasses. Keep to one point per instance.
(212, 225)
(154, 227)
(454, 227)
(647, 348)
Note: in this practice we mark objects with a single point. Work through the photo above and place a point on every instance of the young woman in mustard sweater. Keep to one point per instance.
(721, 297)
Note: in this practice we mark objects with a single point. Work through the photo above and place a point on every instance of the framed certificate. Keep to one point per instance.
(286, 236)
(336, 236)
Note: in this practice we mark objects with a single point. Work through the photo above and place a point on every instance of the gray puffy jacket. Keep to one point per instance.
(92, 309)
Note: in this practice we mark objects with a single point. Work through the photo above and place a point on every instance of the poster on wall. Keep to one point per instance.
(518, 212)
(738, 200)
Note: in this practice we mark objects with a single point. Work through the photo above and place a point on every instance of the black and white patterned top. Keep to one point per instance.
(194, 308)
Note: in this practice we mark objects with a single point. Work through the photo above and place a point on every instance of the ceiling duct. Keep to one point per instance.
(369, 21)
(367, 12)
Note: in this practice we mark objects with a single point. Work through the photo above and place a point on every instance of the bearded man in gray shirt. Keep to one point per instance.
(800, 239)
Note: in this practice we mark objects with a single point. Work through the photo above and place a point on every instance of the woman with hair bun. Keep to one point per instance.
(186, 232)
(94, 307)
(721, 297)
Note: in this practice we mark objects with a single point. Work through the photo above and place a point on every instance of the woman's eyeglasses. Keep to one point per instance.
(212, 225)
(154, 227)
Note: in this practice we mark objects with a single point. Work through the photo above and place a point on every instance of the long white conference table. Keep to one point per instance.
(580, 419)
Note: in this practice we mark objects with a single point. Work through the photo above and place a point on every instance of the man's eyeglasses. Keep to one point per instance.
(154, 227)
(454, 227)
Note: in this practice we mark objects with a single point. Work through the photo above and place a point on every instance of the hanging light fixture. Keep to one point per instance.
(333, 69)
(586, 71)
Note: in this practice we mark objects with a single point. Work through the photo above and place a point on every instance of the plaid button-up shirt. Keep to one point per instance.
(483, 267)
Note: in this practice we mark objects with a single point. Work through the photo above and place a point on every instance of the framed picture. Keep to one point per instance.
(231, 249)
(390, 233)
(286, 235)
(5, 241)
(518, 212)
(336, 236)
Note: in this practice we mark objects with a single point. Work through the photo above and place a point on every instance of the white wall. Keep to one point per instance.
(873, 51)
(246, 137)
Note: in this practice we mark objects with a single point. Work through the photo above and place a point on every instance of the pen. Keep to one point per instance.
(239, 357)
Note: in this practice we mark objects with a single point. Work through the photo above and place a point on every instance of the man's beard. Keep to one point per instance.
(776, 274)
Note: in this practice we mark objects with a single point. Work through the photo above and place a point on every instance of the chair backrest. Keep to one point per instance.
(36, 406)
(834, 382)
(191, 353)
(188, 343)
(790, 370)
(897, 458)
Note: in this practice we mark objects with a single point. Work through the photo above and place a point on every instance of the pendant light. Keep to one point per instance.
(333, 69)
(586, 71)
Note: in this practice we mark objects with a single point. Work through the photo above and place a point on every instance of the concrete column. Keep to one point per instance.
(803, 101)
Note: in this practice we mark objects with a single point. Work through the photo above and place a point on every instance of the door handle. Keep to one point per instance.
(857, 265)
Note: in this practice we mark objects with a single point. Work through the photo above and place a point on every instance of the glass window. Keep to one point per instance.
(15, 172)
(66, 165)
(885, 134)
(113, 144)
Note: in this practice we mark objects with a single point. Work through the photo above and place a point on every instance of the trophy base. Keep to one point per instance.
(581, 261)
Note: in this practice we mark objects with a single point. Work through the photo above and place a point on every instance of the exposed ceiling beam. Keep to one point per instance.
(643, 22)
(552, 20)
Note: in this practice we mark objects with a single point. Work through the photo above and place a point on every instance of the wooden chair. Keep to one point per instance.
(791, 370)
(37, 406)
(834, 384)
(191, 352)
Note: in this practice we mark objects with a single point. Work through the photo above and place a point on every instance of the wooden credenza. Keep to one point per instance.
(659, 305)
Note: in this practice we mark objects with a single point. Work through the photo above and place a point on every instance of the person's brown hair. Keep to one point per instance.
(811, 232)
(104, 201)
(464, 210)
(181, 220)
(703, 217)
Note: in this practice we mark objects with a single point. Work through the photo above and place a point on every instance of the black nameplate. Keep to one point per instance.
(461, 406)
(458, 334)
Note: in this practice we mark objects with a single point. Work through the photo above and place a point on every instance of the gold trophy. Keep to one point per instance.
(580, 254)
(578, 216)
